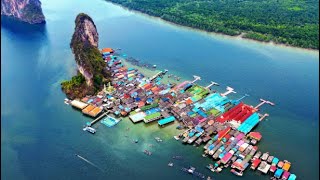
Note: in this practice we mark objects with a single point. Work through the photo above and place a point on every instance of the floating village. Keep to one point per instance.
(206, 117)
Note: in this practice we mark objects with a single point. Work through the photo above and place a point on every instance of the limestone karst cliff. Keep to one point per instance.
(29, 11)
(91, 67)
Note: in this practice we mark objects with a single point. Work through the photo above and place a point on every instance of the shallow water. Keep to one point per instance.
(40, 134)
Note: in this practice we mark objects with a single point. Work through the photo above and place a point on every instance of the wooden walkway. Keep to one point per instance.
(98, 118)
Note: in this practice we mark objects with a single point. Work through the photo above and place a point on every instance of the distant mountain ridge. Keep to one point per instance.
(29, 11)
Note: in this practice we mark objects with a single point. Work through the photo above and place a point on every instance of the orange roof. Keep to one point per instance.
(88, 109)
(189, 101)
(106, 50)
(141, 103)
(123, 113)
(95, 111)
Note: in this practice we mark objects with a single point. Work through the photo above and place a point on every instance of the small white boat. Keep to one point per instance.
(204, 155)
(158, 139)
(170, 164)
(191, 170)
(66, 101)
(176, 137)
(219, 169)
(90, 129)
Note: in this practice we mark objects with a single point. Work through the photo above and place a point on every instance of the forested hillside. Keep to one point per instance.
(291, 22)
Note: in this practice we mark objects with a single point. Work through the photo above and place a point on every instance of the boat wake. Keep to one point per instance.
(89, 162)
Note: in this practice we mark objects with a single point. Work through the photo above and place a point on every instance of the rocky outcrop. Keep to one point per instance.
(24, 10)
(85, 38)
(91, 67)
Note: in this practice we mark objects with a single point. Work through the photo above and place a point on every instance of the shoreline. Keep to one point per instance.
(214, 34)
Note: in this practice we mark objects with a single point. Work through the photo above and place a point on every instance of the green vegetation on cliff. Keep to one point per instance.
(92, 73)
(291, 22)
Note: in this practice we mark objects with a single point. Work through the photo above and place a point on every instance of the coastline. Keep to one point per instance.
(214, 34)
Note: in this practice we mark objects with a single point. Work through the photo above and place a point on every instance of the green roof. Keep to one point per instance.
(214, 112)
(152, 116)
(149, 106)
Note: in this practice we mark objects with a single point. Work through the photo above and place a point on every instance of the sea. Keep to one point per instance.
(40, 135)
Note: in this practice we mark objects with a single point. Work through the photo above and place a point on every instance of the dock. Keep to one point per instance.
(97, 119)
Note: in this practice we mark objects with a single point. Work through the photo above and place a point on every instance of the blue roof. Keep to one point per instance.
(278, 173)
(249, 123)
(275, 160)
(165, 99)
(292, 177)
(166, 120)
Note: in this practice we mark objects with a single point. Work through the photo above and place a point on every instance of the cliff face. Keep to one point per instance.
(25, 10)
(85, 38)
(91, 67)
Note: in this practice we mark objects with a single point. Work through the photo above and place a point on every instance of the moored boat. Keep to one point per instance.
(90, 129)
(285, 175)
(264, 167)
(292, 177)
(270, 158)
(273, 168)
(257, 155)
(210, 167)
(176, 137)
(275, 161)
(278, 173)
(237, 172)
(147, 152)
(265, 156)
(280, 164)
(286, 165)
(255, 164)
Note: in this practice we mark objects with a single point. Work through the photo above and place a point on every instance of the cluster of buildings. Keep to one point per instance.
(211, 118)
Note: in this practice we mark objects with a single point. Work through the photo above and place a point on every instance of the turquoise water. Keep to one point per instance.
(40, 134)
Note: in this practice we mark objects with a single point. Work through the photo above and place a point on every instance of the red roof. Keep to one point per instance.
(170, 96)
(256, 162)
(239, 112)
(255, 135)
(126, 96)
(222, 133)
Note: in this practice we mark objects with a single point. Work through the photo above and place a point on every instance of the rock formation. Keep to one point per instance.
(91, 67)
(24, 10)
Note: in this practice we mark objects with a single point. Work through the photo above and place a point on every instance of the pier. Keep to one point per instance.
(98, 118)
(263, 116)
(212, 84)
(264, 102)
(196, 78)
(229, 90)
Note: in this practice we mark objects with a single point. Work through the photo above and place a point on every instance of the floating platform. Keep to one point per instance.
(137, 117)
(110, 121)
